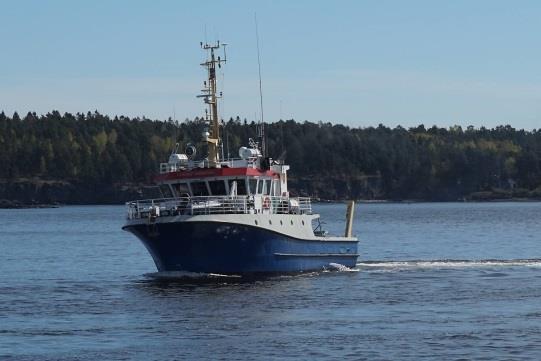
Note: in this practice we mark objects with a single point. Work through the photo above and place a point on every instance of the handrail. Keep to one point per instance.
(167, 167)
(255, 204)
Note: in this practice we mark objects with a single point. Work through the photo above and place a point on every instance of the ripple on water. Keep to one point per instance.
(73, 286)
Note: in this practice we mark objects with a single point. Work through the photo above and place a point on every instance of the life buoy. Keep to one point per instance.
(266, 203)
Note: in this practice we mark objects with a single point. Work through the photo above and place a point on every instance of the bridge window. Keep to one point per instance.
(241, 186)
(260, 186)
(166, 191)
(181, 189)
(253, 185)
(199, 189)
(217, 188)
(275, 188)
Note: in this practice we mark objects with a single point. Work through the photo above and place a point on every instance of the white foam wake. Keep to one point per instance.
(341, 268)
(420, 264)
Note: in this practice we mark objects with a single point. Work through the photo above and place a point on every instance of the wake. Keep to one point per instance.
(448, 264)
(378, 266)
(337, 267)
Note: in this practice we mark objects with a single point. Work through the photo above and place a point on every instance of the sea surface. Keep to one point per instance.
(435, 281)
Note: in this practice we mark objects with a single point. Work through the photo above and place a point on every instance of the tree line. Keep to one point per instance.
(328, 160)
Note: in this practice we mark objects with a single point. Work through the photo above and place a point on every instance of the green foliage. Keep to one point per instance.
(418, 163)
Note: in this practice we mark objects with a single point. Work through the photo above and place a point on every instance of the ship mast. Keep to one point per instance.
(208, 93)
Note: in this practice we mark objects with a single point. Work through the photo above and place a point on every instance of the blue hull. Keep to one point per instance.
(214, 247)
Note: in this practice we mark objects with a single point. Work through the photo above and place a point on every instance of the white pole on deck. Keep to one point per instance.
(349, 218)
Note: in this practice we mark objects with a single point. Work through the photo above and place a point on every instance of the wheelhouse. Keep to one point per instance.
(222, 184)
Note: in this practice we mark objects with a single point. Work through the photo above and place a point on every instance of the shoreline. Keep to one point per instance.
(7, 204)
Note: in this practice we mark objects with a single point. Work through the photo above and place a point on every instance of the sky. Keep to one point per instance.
(359, 63)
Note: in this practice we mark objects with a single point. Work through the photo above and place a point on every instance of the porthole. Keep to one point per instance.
(255, 221)
(270, 222)
(303, 223)
(291, 222)
(281, 223)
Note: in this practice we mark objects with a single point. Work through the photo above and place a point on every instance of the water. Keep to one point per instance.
(435, 281)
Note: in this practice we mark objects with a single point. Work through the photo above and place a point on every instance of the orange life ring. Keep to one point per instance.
(266, 203)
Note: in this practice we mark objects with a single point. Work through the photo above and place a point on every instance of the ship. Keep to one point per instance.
(223, 215)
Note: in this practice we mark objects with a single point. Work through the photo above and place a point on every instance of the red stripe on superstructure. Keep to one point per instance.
(213, 172)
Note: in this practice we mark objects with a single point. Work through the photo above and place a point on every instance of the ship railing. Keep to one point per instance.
(259, 204)
(305, 204)
(229, 162)
(168, 167)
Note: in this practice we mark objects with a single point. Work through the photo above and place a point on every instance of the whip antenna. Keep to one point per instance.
(262, 124)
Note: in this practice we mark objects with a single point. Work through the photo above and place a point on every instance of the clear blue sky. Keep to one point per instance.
(354, 62)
